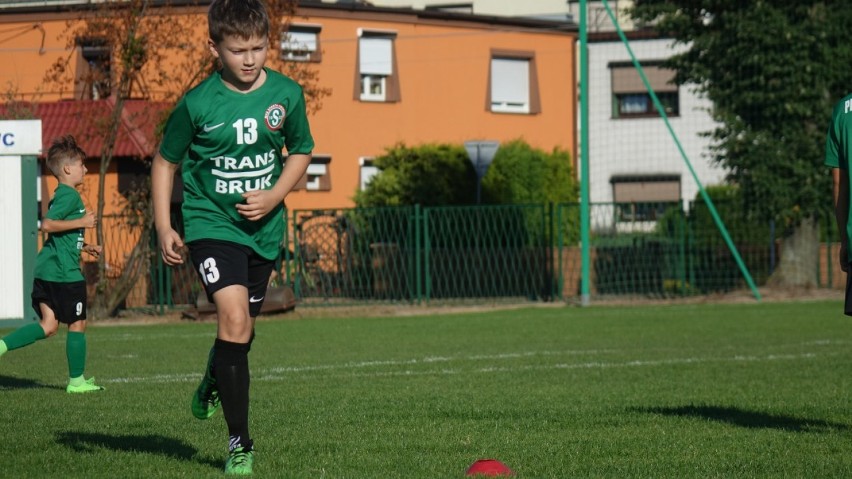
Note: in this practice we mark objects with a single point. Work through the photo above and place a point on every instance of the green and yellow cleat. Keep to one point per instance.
(87, 386)
(240, 460)
(205, 400)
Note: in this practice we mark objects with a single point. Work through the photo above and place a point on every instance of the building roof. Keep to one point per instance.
(85, 119)
(557, 25)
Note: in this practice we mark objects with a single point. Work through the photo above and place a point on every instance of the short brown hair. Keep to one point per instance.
(240, 18)
(64, 150)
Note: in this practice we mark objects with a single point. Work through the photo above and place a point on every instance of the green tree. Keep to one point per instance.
(523, 174)
(772, 70)
(429, 175)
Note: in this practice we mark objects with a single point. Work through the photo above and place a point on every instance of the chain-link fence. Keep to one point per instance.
(418, 254)
(486, 254)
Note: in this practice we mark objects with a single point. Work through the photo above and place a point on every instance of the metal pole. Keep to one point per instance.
(585, 269)
(478, 177)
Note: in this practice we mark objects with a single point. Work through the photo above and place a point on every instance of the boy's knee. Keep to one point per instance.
(235, 326)
(234, 318)
(49, 328)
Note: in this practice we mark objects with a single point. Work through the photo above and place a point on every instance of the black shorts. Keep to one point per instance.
(221, 263)
(847, 307)
(67, 300)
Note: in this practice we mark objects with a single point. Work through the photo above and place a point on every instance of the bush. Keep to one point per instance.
(429, 175)
(521, 174)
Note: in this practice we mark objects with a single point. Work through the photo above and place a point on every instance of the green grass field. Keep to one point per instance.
(737, 390)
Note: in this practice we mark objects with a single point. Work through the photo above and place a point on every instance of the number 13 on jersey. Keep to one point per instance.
(246, 129)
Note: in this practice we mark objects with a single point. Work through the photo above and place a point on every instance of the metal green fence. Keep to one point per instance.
(506, 253)
(416, 254)
(670, 252)
(529, 252)
(121, 253)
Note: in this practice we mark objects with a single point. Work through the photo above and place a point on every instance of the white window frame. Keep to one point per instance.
(314, 174)
(366, 171)
(366, 91)
(299, 43)
(96, 58)
(510, 85)
(375, 62)
(639, 199)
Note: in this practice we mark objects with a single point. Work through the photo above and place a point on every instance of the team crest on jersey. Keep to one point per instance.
(274, 116)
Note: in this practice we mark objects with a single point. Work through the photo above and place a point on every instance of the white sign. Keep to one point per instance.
(20, 137)
(481, 154)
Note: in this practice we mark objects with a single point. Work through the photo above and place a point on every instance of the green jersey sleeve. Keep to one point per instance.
(297, 133)
(837, 143)
(180, 132)
(66, 205)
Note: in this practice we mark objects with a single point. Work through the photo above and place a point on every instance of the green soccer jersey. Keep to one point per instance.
(229, 143)
(59, 258)
(838, 148)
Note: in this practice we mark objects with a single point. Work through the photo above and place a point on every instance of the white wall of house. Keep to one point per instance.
(643, 146)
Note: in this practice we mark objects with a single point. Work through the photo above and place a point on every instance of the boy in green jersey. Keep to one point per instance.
(59, 289)
(838, 154)
(228, 135)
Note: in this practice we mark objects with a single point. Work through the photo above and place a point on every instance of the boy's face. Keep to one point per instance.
(75, 171)
(242, 60)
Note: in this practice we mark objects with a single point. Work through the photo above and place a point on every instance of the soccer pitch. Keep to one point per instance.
(733, 390)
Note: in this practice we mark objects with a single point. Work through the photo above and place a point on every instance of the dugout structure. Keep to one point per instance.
(20, 146)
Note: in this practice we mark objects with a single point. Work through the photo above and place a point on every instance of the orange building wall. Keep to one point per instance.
(443, 74)
(443, 69)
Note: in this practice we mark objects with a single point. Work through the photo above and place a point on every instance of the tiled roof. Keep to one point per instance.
(81, 118)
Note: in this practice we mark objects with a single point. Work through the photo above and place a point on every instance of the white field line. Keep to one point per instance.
(587, 365)
(356, 369)
(149, 337)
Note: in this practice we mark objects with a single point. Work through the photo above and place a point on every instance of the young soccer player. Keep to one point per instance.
(59, 289)
(838, 154)
(228, 135)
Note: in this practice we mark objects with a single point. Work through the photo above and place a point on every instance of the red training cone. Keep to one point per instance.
(488, 467)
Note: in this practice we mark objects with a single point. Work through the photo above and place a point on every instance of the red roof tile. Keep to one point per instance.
(85, 119)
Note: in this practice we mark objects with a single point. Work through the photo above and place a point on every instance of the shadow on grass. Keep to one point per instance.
(149, 443)
(748, 419)
(9, 382)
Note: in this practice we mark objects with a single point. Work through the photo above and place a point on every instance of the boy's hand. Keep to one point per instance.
(258, 204)
(89, 220)
(170, 244)
(93, 249)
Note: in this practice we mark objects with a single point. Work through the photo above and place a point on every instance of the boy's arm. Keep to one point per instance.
(93, 249)
(162, 182)
(260, 202)
(841, 213)
(57, 226)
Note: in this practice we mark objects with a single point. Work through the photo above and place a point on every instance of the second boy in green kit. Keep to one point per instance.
(228, 134)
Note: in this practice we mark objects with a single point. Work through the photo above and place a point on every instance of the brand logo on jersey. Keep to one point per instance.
(209, 128)
(274, 117)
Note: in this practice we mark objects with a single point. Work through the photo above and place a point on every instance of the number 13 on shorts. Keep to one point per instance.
(208, 271)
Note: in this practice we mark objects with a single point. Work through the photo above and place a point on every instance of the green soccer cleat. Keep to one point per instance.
(205, 400)
(87, 387)
(240, 460)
